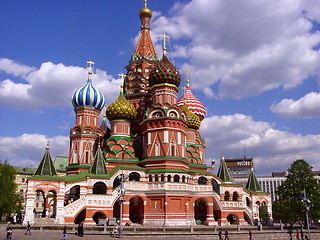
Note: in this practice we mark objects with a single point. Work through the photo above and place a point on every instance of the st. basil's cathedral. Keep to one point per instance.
(149, 166)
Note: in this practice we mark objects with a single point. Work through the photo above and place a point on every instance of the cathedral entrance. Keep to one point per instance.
(200, 210)
(99, 218)
(136, 210)
(232, 218)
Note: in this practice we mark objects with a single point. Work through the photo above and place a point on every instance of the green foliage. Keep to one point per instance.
(10, 201)
(289, 207)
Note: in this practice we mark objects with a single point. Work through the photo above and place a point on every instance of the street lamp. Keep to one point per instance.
(306, 202)
(121, 198)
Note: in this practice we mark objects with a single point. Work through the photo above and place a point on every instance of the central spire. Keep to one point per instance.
(145, 48)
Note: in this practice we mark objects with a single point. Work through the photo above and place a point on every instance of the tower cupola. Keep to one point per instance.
(88, 95)
(121, 109)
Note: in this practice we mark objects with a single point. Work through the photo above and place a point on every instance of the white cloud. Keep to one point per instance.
(306, 107)
(28, 149)
(14, 68)
(52, 85)
(247, 47)
(272, 150)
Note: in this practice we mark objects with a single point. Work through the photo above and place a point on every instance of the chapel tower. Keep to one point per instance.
(84, 136)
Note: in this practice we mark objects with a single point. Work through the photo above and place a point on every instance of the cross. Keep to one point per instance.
(122, 77)
(187, 76)
(164, 40)
(90, 67)
(145, 3)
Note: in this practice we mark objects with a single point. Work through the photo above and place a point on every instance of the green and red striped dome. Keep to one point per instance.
(164, 72)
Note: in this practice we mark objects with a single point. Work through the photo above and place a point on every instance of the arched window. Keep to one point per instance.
(202, 181)
(215, 186)
(99, 188)
(150, 178)
(169, 178)
(235, 196)
(157, 150)
(156, 178)
(21, 193)
(226, 196)
(162, 178)
(134, 176)
(173, 150)
(183, 178)
(176, 178)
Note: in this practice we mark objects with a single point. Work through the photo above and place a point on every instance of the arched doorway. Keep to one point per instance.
(116, 209)
(136, 210)
(80, 217)
(51, 202)
(39, 204)
(99, 188)
(99, 218)
(232, 218)
(200, 210)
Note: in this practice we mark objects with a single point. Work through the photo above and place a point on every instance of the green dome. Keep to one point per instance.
(193, 120)
(121, 109)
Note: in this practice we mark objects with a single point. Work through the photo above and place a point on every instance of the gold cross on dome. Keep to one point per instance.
(90, 67)
(145, 3)
(122, 75)
(164, 40)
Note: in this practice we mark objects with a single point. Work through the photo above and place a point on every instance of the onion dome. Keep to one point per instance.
(164, 72)
(192, 102)
(145, 11)
(193, 120)
(88, 95)
(121, 109)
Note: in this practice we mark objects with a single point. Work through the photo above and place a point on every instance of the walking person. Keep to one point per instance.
(220, 235)
(250, 235)
(9, 232)
(28, 232)
(298, 234)
(65, 233)
(80, 230)
(226, 235)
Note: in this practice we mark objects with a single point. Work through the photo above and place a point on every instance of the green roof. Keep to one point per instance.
(253, 185)
(46, 167)
(61, 162)
(223, 172)
(98, 166)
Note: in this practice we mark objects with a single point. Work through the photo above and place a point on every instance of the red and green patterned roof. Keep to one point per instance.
(121, 109)
(164, 72)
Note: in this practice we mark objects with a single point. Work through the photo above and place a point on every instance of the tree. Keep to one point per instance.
(290, 207)
(10, 201)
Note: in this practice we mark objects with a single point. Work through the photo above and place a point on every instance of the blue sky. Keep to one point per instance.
(254, 65)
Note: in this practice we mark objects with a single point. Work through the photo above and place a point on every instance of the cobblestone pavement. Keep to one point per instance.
(18, 234)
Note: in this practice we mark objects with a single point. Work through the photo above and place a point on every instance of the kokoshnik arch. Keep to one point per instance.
(155, 144)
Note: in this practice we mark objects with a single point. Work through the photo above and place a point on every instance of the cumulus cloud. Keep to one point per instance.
(305, 108)
(27, 150)
(246, 47)
(14, 68)
(272, 150)
(52, 85)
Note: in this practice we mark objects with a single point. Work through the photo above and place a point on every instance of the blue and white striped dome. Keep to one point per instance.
(89, 96)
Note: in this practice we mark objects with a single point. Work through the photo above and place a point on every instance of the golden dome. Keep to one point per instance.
(121, 109)
(145, 12)
(193, 120)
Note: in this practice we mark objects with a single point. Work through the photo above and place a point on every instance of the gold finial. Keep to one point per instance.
(187, 76)
(145, 3)
(164, 43)
(122, 77)
(90, 68)
(47, 147)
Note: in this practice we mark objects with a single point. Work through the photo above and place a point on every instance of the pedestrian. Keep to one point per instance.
(220, 235)
(250, 235)
(226, 235)
(28, 229)
(65, 233)
(80, 230)
(298, 234)
(9, 232)
(290, 233)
